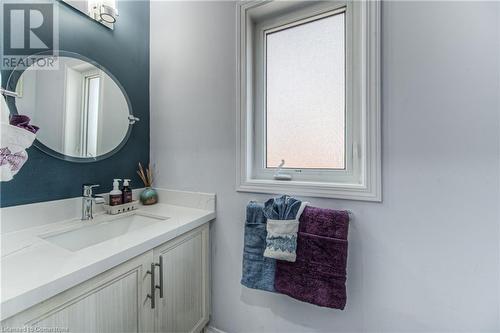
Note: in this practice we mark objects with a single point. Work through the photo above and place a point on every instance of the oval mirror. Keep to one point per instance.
(83, 113)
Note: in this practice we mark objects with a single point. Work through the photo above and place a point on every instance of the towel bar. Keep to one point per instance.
(8, 93)
(350, 212)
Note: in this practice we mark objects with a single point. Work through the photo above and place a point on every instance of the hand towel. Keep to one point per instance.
(257, 271)
(318, 275)
(283, 215)
(13, 144)
(281, 208)
(11, 163)
(23, 121)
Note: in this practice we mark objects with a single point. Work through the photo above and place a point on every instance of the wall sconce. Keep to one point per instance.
(103, 11)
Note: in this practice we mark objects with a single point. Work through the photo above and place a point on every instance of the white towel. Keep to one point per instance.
(13, 144)
(281, 240)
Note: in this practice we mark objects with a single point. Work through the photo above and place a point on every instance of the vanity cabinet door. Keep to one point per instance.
(185, 303)
(114, 301)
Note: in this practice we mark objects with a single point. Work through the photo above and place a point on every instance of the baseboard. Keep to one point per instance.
(211, 329)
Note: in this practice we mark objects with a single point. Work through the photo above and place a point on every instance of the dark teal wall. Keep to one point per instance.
(125, 53)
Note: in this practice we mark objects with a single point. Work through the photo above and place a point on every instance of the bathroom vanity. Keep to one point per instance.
(65, 267)
(143, 271)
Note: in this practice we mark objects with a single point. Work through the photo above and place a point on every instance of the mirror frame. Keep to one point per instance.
(11, 103)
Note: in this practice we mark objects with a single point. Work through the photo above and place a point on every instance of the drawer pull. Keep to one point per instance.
(152, 295)
(161, 276)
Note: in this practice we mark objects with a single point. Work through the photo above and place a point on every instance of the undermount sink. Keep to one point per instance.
(91, 232)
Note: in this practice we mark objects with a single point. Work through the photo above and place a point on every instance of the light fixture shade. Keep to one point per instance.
(103, 11)
(108, 14)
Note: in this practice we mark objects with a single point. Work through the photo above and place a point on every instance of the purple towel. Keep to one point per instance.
(23, 121)
(325, 222)
(319, 274)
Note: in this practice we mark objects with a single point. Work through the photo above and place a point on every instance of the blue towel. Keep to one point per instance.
(258, 271)
(283, 215)
(281, 208)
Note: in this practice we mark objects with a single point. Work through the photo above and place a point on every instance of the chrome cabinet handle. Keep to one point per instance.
(161, 276)
(153, 286)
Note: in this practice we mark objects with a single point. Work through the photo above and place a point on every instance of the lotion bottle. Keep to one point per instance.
(126, 191)
(115, 196)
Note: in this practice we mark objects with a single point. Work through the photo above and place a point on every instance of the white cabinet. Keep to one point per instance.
(185, 302)
(119, 300)
(111, 302)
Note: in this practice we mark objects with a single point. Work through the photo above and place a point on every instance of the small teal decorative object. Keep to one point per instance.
(149, 196)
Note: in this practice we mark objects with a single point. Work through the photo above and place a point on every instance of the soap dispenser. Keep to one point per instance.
(115, 196)
(126, 191)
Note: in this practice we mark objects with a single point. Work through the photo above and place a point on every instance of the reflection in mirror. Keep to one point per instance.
(81, 111)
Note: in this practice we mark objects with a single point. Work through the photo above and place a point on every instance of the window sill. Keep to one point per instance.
(358, 192)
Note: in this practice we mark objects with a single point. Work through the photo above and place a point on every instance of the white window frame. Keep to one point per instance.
(86, 77)
(361, 178)
(260, 171)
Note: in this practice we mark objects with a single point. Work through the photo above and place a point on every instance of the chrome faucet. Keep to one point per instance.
(88, 200)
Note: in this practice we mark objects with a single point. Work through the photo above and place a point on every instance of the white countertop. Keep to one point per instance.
(33, 269)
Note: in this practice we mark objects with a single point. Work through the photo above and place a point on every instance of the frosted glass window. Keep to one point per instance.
(305, 95)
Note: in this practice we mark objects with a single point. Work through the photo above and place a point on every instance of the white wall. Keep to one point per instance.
(44, 104)
(427, 258)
